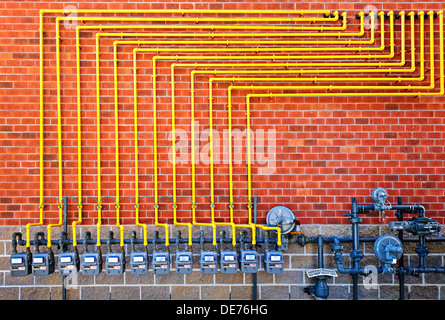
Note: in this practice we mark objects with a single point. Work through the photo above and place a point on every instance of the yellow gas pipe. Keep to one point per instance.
(189, 225)
(59, 144)
(41, 13)
(336, 14)
(213, 221)
(116, 125)
(422, 55)
(175, 221)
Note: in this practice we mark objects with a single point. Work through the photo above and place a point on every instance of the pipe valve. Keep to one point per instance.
(420, 226)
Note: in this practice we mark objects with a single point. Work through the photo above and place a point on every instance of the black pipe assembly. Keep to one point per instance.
(387, 248)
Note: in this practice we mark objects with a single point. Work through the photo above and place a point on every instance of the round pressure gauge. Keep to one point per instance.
(388, 248)
(282, 217)
(379, 195)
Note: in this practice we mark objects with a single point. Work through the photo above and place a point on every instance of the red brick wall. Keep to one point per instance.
(328, 149)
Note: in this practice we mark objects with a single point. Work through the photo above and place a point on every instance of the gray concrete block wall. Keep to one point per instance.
(239, 286)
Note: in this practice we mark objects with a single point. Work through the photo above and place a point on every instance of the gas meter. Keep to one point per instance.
(273, 261)
(139, 262)
(249, 261)
(115, 263)
(20, 264)
(91, 263)
(228, 261)
(282, 217)
(208, 260)
(161, 262)
(184, 262)
(43, 263)
(68, 263)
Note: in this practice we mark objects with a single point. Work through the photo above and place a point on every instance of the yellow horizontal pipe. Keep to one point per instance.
(116, 126)
(136, 159)
(398, 79)
(323, 71)
(97, 36)
(175, 221)
(222, 27)
(59, 145)
(257, 34)
(181, 11)
(192, 96)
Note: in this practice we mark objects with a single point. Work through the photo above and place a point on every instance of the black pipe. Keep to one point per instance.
(157, 240)
(356, 255)
(64, 247)
(401, 262)
(407, 208)
(303, 240)
(254, 276)
(320, 290)
(296, 239)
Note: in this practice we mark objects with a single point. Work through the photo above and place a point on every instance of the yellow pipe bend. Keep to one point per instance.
(116, 138)
(422, 59)
(116, 131)
(41, 13)
(175, 221)
(441, 92)
(192, 97)
(189, 225)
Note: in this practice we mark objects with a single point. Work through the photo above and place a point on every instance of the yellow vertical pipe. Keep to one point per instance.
(59, 139)
(79, 145)
(175, 221)
(99, 187)
(252, 226)
(136, 152)
(116, 144)
(155, 156)
(212, 224)
(212, 180)
(79, 132)
(121, 227)
(249, 178)
(440, 14)
(29, 225)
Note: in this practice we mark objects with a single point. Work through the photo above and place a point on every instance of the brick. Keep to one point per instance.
(274, 292)
(185, 292)
(125, 293)
(396, 141)
(95, 293)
